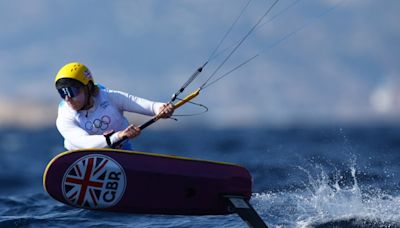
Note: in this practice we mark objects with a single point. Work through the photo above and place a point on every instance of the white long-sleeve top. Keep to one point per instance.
(85, 128)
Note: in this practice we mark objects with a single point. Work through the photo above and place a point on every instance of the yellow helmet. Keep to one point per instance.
(76, 71)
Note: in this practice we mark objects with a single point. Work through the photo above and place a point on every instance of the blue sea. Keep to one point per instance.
(303, 176)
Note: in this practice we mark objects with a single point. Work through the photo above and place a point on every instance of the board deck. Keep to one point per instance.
(138, 182)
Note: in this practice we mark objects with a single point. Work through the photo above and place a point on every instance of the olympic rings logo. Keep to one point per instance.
(98, 124)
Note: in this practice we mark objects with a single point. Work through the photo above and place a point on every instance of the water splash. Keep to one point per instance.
(326, 200)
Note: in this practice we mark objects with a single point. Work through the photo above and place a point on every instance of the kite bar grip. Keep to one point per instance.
(176, 105)
(187, 98)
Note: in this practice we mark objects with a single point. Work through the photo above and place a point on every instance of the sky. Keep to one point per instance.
(319, 61)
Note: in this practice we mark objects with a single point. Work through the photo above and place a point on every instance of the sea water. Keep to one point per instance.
(303, 177)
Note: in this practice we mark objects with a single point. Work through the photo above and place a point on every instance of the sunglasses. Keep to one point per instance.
(69, 91)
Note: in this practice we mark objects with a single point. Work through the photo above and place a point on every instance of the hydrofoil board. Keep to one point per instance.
(138, 182)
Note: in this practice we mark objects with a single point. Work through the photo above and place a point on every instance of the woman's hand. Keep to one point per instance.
(166, 111)
(130, 132)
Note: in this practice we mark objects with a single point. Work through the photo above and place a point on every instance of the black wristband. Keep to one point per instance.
(108, 135)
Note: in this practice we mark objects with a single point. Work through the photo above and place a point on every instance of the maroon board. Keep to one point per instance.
(137, 182)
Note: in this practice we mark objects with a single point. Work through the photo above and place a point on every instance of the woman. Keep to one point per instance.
(91, 116)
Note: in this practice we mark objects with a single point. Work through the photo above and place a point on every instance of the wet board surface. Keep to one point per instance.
(137, 182)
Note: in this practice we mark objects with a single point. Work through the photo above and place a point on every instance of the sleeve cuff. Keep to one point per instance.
(156, 107)
(114, 138)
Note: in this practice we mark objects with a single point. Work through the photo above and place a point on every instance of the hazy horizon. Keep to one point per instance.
(342, 68)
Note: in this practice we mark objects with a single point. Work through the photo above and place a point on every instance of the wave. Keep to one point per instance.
(356, 222)
(326, 201)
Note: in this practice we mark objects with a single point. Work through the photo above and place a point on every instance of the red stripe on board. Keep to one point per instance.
(102, 165)
(81, 182)
(93, 197)
(79, 170)
(86, 182)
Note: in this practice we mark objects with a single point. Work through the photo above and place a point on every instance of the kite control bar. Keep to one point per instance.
(157, 117)
(176, 105)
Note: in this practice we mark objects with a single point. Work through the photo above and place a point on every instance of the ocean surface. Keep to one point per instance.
(303, 176)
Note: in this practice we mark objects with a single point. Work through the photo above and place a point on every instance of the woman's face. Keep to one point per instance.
(78, 101)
